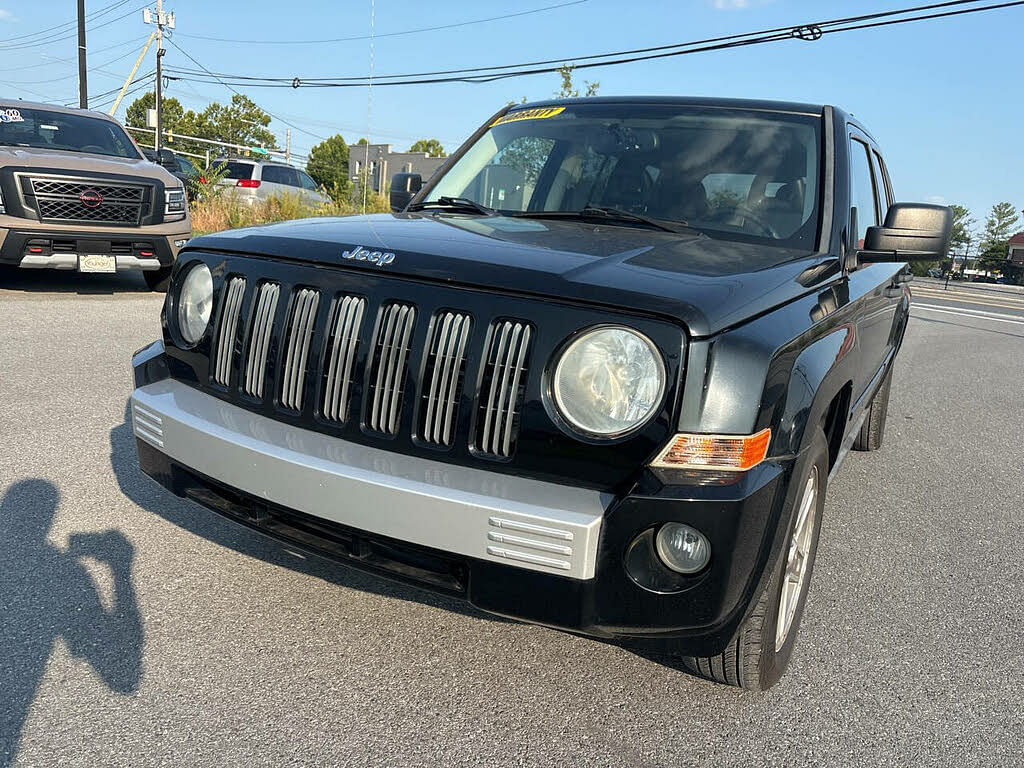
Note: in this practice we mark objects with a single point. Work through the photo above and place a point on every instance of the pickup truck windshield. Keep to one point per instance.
(732, 174)
(26, 127)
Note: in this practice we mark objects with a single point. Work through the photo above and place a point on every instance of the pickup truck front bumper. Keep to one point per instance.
(537, 551)
(133, 249)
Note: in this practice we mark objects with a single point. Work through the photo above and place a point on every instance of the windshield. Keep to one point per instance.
(733, 174)
(25, 127)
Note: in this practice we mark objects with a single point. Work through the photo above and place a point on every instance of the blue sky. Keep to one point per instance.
(942, 97)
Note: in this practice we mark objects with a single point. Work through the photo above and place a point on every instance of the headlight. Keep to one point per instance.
(609, 381)
(175, 203)
(195, 302)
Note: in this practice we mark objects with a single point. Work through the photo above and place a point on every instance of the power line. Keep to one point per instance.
(230, 88)
(135, 41)
(806, 32)
(388, 34)
(70, 24)
(96, 68)
(71, 35)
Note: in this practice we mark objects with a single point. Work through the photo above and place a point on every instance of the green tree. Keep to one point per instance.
(963, 226)
(1001, 223)
(568, 90)
(328, 164)
(240, 122)
(431, 146)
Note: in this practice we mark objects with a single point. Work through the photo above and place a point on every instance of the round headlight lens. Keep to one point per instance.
(195, 303)
(682, 548)
(609, 381)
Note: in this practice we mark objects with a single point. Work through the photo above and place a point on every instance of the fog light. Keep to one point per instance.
(682, 548)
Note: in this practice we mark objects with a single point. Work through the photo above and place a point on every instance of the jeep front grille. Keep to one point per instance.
(300, 334)
(308, 355)
(387, 367)
(99, 201)
(342, 344)
(229, 314)
(444, 370)
(259, 338)
(498, 420)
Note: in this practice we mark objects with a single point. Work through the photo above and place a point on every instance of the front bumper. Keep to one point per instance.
(133, 249)
(531, 550)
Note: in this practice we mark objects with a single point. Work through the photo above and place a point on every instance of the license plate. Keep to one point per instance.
(97, 262)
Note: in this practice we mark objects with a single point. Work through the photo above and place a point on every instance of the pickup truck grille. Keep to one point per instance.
(64, 200)
(439, 384)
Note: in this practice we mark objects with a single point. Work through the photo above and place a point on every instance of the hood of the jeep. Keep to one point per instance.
(79, 163)
(708, 284)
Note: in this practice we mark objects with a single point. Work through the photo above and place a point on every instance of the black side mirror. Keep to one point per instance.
(912, 232)
(166, 158)
(404, 187)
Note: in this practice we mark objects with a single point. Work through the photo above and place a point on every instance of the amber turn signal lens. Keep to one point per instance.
(715, 452)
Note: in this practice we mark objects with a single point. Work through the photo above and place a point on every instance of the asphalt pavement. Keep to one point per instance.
(138, 629)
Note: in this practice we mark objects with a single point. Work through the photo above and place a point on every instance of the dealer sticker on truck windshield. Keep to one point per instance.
(540, 113)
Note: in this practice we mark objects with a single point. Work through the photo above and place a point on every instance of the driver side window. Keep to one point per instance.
(862, 190)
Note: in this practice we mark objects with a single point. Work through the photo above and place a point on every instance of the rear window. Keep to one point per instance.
(237, 170)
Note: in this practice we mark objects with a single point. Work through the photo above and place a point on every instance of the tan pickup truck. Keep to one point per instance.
(77, 194)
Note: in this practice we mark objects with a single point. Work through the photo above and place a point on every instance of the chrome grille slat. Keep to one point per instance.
(347, 322)
(297, 348)
(259, 340)
(499, 416)
(506, 363)
(447, 350)
(488, 418)
(230, 312)
(390, 353)
(441, 342)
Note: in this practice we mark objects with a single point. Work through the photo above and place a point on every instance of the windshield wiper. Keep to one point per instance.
(445, 201)
(609, 213)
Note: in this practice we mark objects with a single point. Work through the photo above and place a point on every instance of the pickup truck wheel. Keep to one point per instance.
(158, 279)
(872, 431)
(760, 651)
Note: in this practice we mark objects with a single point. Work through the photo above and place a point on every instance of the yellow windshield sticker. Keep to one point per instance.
(540, 113)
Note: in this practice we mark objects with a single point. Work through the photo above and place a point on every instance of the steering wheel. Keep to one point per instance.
(93, 148)
(748, 216)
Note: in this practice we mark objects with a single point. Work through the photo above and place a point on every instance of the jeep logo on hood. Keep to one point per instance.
(359, 253)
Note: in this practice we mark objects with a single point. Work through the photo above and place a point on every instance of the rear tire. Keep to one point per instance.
(759, 653)
(158, 279)
(872, 431)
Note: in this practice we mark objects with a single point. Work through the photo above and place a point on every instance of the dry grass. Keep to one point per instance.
(225, 212)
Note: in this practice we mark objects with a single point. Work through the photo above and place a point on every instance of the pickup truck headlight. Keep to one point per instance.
(609, 381)
(174, 207)
(195, 303)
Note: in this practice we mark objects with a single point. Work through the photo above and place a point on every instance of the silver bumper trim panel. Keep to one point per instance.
(455, 509)
(70, 261)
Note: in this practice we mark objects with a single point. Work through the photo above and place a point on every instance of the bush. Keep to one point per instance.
(223, 212)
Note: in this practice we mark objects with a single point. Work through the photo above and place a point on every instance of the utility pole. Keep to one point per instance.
(83, 88)
(288, 145)
(161, 20)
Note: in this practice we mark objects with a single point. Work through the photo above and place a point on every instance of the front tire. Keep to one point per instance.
(759, 653)
(158, 279)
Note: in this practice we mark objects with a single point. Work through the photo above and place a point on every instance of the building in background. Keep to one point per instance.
(383, 163)
(1016, 254)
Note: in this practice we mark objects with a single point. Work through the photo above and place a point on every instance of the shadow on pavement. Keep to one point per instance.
(67, 281)
(47, 594)
(202, 522)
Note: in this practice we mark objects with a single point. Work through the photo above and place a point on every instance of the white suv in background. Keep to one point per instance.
(255, 180)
